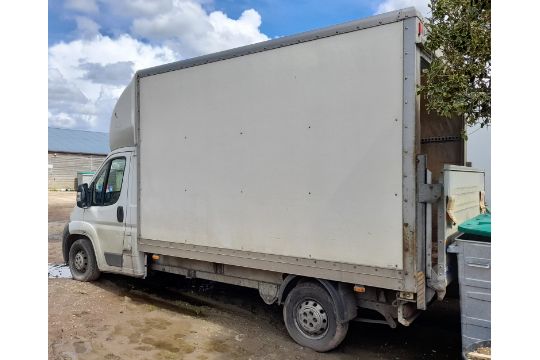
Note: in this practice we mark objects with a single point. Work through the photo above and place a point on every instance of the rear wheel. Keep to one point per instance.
(310, 318)
(82, 261)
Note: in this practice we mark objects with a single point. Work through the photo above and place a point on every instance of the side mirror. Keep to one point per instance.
(83, 196)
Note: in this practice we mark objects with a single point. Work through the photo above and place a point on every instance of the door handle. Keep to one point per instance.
(120, 214)
(483, 266)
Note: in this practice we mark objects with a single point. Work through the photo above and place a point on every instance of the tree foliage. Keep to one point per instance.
(459, 79)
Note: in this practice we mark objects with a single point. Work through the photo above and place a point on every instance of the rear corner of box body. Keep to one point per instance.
(295, 151)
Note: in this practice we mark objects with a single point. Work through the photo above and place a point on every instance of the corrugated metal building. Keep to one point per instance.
(74, 151)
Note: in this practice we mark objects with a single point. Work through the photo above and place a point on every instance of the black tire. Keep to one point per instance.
(309, 303)
(82, 261)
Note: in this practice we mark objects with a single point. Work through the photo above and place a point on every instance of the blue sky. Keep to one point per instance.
(279, 17)
(95, 46)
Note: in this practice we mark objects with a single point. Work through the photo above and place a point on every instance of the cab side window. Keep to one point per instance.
(114, 181)
(99, 184)
(108, 183)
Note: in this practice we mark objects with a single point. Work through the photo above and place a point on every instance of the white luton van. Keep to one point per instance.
(305, 167)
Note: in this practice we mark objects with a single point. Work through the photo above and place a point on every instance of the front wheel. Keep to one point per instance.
(82, 261)
(310, 318)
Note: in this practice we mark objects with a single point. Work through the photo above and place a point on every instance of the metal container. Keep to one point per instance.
(84, 177)
(474, 273)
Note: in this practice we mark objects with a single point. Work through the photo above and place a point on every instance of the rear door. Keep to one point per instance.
(108, 206)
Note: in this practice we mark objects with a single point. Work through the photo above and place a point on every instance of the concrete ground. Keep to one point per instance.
(170, 317)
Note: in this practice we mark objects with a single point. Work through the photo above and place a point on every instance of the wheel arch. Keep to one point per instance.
(342, 294)
(68, 242)
(79, 230)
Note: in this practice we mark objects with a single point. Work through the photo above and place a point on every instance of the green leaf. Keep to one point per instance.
(459, 81)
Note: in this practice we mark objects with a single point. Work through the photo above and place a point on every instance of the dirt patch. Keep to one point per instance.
(170, 317)
(60, 205)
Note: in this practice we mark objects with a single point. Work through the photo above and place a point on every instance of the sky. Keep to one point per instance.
(95, 46)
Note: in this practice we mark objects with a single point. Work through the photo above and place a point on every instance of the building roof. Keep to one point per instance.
(78, 141)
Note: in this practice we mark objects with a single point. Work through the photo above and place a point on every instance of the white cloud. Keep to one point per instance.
(87, 27)
(63, 120)
(62, 91)
(134, 8)
(68, 106)
(84, 6)
(88, 74)
(191, 31)
(391, 5)
(228, 33)
(186, 17)
(118, 73)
